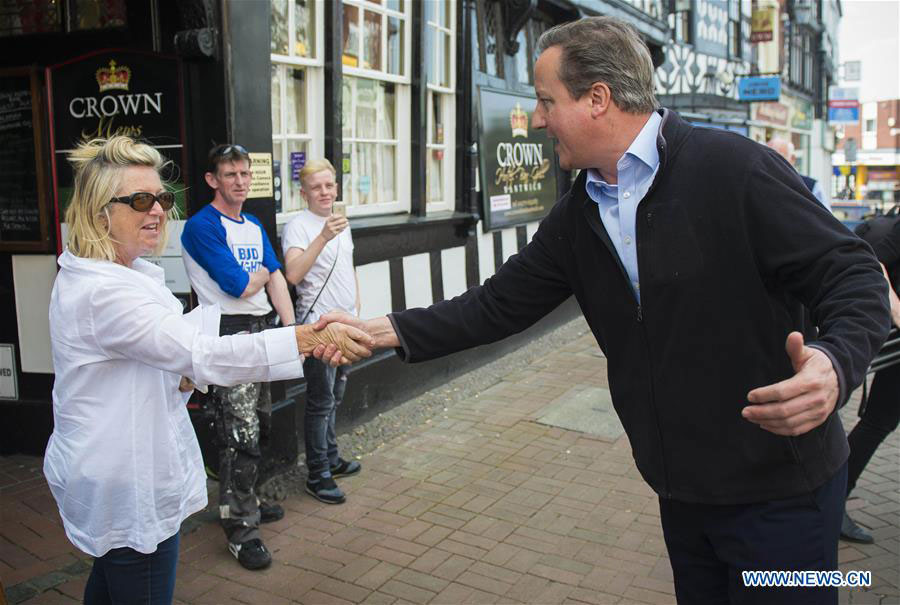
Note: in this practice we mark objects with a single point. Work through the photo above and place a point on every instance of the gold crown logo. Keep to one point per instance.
(518, 119)
(114, 77)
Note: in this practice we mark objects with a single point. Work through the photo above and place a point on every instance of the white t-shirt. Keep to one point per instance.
(123, 461)
(340, 291)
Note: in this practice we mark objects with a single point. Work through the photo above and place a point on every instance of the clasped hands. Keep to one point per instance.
(340, 338)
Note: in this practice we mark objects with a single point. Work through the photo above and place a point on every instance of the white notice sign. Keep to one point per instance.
(9, 388)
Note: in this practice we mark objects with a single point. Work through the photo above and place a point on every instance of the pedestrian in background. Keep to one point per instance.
(231, 263)
(318, 256)
(787, 150)
(881, 414)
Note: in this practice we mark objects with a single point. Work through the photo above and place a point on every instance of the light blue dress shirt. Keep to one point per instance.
(618, 204)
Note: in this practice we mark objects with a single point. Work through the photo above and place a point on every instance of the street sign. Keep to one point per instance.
(843, 93)
(762, 24)
(852, 71)
(843, 105)
(850, 150)
(759, 88)
(843, 115)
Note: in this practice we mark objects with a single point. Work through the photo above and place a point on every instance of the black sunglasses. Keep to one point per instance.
(143, 201)
(228, 149)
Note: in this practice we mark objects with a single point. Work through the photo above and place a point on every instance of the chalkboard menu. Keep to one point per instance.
(23, 199)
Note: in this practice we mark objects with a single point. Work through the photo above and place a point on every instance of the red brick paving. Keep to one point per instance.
(479, 505)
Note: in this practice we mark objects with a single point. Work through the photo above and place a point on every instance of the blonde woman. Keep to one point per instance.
(123, 462)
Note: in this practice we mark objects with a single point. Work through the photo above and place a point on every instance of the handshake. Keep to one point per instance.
(340, 338)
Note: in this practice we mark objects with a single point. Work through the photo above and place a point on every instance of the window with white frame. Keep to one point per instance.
(297, 85)
(375, 98)
(440, 67)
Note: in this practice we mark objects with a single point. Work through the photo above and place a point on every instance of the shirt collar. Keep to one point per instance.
(643, 147)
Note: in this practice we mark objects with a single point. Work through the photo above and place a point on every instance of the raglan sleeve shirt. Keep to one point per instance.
(205, 240)
(270, 260)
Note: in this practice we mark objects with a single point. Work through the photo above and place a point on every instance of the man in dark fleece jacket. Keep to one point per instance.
(692, 254)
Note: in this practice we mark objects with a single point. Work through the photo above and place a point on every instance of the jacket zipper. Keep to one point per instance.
(667, 494)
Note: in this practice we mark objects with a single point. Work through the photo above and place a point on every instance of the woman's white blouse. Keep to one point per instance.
(123, 461)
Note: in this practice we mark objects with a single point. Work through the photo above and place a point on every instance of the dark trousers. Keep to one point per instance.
(243, 417)
(710, 545)
(123, 576)
(880, 417)
(325, 388)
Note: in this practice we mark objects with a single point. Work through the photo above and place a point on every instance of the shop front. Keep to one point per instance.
(424, 108)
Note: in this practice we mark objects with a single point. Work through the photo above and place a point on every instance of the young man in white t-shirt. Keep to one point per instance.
(318, 258)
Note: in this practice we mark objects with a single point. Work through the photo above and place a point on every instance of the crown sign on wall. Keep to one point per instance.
(518, 119)
(114, 77)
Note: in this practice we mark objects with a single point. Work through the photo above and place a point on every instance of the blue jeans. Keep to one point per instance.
(325, 387)
(125, 576)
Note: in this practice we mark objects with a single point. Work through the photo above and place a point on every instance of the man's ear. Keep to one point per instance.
(601, 98)
(211, 180)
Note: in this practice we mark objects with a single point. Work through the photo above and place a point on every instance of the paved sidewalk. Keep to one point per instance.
(482, 504)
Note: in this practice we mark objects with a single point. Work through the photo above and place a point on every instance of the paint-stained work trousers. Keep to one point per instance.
(243, 415)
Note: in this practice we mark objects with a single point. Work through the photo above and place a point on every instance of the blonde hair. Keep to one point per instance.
(314, 166)
(98, 166)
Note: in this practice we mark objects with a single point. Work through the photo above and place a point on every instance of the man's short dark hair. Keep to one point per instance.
(604, 49)
(226, 152)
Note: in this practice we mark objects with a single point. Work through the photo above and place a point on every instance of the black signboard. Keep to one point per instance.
(24, 209)
(116, 92)
(518, 176)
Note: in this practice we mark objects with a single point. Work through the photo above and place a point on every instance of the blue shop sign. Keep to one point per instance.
(843, 115)
(759, 88)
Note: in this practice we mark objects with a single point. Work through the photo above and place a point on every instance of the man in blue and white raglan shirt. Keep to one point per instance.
(229, 261)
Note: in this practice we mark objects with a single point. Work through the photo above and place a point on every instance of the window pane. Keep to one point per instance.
(397, 5)
(434, 175)
(430, 41)
(279, 44)
(431, 12)
(386, 113)
(295, 102)
(493, 59)
(348, 106)
(437, 123)
(305, 25)
(439, 61)
(372, 40)
(447, 56)
(371, 108)
(523, 73)
(278, 176)
(296, 158)
(371, 177)
(386, 190)
(276, 100)
(94, 14)
(395, 46)
(351, 36)
(366, 109)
